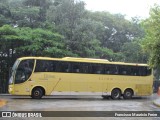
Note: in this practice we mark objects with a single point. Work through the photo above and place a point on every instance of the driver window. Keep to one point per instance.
(24, 71)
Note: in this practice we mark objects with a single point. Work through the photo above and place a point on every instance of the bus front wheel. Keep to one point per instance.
(115, 94)
(37, 93)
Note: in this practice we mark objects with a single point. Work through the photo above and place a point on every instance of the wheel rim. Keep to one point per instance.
(128, 94)
(36, 93)
(116, 94)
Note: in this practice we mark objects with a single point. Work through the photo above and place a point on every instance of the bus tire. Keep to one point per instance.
(37, 93)
(115, 94)
(128, 93)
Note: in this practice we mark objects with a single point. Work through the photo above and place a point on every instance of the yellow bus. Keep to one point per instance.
(39, 76)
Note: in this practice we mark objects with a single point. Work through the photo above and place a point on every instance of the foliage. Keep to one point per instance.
(31, 42)
(151, 41)
(133, 52)
(85, 33)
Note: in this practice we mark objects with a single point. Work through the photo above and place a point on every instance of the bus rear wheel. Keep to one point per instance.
(128, 93)
(115, 94)
(37, 93)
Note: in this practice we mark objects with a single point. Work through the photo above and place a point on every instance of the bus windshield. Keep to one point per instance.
(12, 71)
(24, 71)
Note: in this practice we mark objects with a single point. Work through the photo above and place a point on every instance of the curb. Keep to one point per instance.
(2, 103)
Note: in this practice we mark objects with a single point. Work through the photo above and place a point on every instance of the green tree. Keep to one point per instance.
(9, 41)
(5, 13)
(133, 52)
(43, 5)
(116, 29)
(152, 36)
(66, 15)
(39, 42)
(29, 13)
(8, 38)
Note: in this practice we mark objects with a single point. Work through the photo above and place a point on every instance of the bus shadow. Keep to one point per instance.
(79, 98)
(134, 98)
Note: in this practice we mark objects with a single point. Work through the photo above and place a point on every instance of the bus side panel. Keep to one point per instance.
(139, 84)
(39, 79)
(22, 89)
(75, 83)
(78, 83)
(145, 88)
(95, 83)
(60, 84)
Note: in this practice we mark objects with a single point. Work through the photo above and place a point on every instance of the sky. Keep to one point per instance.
(130, 8)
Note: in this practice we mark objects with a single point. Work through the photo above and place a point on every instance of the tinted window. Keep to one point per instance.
(85, 68)
(76, 67)
(80, 67)
(134, 70)
(63, 67)
(149, 71)
(123, 70)
(111, 69)
(45, 66)
(126, 70)
(90, 68)
(24, 71)
(97, 69)
(143, 71)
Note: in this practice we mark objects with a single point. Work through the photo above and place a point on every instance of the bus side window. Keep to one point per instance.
(149, 71)
(85, 68)
(63, 67)
(75, 67)
(143, 71)
(122, 70)
(39, 66)
(129, 70)
(53, 66)
(97, 69)
(113, 69)
(106, 69)
(134, 71)
(45, 67)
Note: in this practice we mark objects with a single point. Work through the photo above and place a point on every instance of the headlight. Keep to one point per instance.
(10, 89)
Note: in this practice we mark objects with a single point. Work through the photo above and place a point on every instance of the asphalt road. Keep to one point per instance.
(78, 103)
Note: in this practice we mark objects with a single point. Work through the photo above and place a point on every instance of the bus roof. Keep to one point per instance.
(84, 59)
(88, 60)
